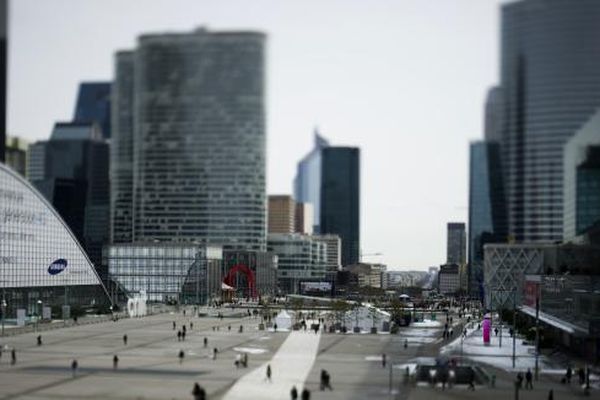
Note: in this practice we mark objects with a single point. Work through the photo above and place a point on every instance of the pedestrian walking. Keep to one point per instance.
(241, 329)
(275, 327)
(13, 357)
(294, 393)
(383, 360)
(229, 328)
(569, 374)
(519, 380)
(205, 341)
(191, 326)
(238, 360)
(184, 329)
(496, 331)
(39, 340)
(305, 394)
(325, 380)
(471, 379)
(245, 360)
(581, 374)
(405, 343)
(115, 362)
(125, 340)
(551, 395)
(198, 392)
(529, 380)
(74, 366)
(174, 325)
(183, 336)
(215, 351)
(181, 355)
(268, 377)
(179, 336)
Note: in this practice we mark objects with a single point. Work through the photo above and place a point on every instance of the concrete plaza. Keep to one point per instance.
(149, 366)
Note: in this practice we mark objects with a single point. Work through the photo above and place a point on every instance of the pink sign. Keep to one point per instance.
(487, 327)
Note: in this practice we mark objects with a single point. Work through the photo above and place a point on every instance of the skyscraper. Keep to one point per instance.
(93, 105)
(190, 123)
(550, 82)
(457, 243)
(307, 183)
(282, 212)
(340, 199)
(71, 171)
(3, 63)
(487, 218)
(582, 180)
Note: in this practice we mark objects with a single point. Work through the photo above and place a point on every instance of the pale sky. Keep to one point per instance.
(405, 80)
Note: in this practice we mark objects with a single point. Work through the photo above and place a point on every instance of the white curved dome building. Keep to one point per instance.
(40, 259)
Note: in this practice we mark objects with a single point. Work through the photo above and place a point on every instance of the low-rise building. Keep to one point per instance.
(367, 274)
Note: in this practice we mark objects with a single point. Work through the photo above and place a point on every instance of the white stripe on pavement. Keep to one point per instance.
(289, 366)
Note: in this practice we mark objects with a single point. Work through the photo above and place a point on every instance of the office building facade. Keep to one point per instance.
(304, 218)
(301, 258)
(340, 199)
(487, 218)
(3, 73)
(581, 171)
(333, 254)
(449, 279)
(71, 170)
(456, 248)
(282, 214)
(16, 154)
(307, 183)
(93, 105)
(551, 86)
(189, 136)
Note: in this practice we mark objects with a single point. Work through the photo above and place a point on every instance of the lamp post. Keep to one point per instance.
(37, 321)
(3, 313)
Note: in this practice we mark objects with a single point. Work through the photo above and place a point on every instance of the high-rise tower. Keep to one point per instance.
(551, 86)
(189, 132)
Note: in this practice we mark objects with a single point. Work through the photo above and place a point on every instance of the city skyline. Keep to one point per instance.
(386, 112)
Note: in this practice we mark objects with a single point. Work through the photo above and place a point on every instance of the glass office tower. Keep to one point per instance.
(487, 219)
(340, 199)
(550, 80)
(93, 105)
(190, 123)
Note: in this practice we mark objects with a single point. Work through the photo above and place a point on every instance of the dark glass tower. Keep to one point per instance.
(72, 173)
(487, 219)
(340, 199)
(3, 62)
(93, 105)
(550, 80)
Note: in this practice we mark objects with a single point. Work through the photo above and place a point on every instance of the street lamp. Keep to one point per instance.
(3, 314)
(37, 321)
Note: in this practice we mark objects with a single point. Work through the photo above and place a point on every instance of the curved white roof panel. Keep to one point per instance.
(37, 248)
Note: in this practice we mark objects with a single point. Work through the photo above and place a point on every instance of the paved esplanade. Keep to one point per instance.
(289, 367)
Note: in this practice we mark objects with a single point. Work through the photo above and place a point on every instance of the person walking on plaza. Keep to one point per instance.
(174, 325)
(205, 342)
(568, 375)
(13, 357)
(268, 377)
(215, 351)
(198, 392)
(520, 380)
(529, 380)
(294, 393)
(183, 336)
(305, 394)
(581, 374)
(115, 362)
(191, 326)
(39, 340)
(471, 379)
(179, 336)
(125, 340)
(74, 366)
(551, 395)
(181, 355)
(325, 380)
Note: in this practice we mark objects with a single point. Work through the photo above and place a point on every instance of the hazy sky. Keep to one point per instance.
(404, 80)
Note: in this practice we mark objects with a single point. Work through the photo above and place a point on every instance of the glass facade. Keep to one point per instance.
(487, 220)
(40, 258)
(551, 85)
(168, 272)
(301, 258)
(340, 199)
(263, 266)
(581, 188)
(73, 175)
(307, 183)
(93, 105)
(196, 130)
